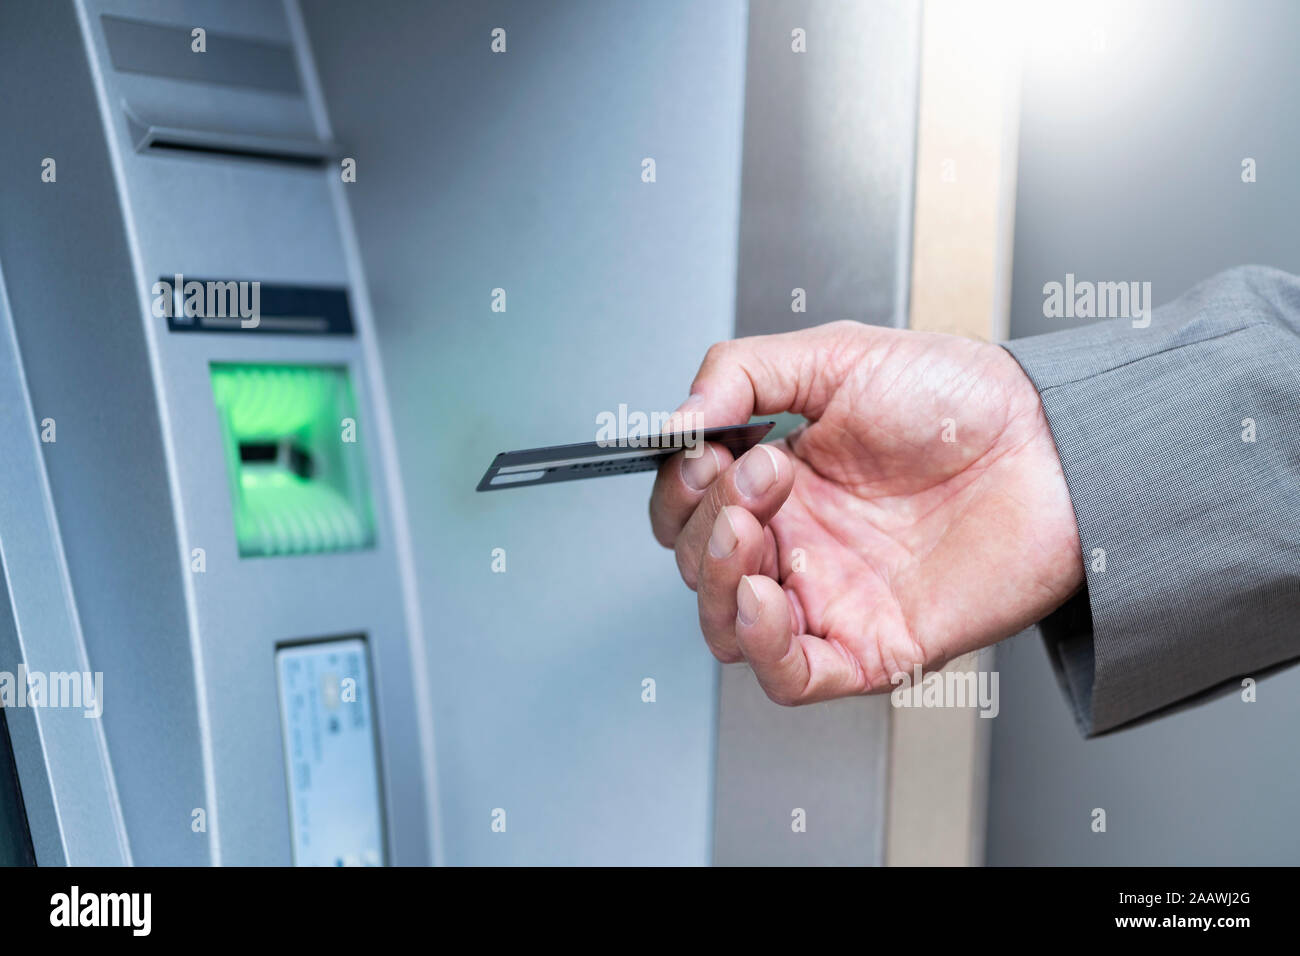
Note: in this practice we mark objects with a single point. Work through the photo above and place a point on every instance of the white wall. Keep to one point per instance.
(1130, 168)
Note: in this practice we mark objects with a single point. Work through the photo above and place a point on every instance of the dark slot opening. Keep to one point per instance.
(238, 152)
(293, 457)
(261, 451)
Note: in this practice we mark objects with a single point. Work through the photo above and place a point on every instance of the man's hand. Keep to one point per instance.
(920, 514)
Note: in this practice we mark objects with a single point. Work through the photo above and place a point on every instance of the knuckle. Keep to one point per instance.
(780, 695)
(725, 652)
(715, 499)
(718, 351)
(843, 325)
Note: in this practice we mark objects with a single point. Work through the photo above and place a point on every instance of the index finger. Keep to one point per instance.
(789, 372)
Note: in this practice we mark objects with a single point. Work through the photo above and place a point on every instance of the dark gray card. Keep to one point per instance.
(542, 466)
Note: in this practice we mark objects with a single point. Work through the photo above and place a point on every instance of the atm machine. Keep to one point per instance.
(200, 499)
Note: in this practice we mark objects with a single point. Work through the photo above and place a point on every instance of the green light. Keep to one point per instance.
(297, 476)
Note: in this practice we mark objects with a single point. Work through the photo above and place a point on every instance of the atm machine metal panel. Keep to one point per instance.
(213, 211)
(67, 809)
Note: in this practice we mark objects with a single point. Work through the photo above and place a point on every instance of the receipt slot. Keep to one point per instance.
(215, 521)
(331, 752)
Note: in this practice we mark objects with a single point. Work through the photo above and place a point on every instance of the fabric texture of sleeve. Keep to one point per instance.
(1180, 442)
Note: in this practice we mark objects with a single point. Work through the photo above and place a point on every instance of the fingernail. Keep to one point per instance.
(699, 472)
(723, 540)
(747, 603)
(757, 472)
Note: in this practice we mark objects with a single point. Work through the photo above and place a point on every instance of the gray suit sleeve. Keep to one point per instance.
(1180, 444)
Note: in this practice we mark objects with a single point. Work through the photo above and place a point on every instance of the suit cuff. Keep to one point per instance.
(1173, 537)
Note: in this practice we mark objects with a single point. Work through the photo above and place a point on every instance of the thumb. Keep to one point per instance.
(765, 374)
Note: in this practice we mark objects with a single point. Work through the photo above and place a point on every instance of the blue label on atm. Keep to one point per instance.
(331, 754)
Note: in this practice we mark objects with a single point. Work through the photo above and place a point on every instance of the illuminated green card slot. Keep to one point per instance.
(297, 470)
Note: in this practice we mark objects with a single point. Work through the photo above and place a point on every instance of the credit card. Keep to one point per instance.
(544, 466)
